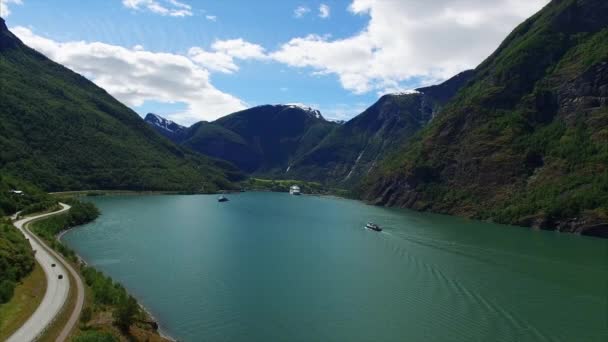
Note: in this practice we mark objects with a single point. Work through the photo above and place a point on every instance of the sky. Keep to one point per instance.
(193, 60)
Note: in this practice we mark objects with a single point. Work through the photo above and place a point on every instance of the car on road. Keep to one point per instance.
(53, 265)
(60, 276)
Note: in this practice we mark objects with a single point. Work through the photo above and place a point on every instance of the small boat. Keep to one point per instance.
(373, 226)
(222, 198)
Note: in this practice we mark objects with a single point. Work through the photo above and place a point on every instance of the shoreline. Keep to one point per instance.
(160, 331)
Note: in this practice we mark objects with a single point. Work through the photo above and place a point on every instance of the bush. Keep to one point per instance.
(40, 207)
(16, 259)
(86, 315)
(95, 336)
(7, 288)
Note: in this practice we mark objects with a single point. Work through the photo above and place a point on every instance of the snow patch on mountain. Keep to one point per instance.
(163, 123)
(311, 111)
(406, 92)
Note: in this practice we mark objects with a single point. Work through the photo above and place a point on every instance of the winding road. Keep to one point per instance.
(57, 290)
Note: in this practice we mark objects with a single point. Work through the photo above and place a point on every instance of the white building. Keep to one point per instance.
(294, 190)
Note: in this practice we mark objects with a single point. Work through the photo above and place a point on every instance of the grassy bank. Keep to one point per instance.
(93, 193)
(27, 296)
(16, 259)
(110, 313)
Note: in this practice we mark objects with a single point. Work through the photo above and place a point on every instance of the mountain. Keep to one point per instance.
(526, 140)
(59, 131)
(165, 127)
(295, 141)
(259, 140)
(353, 149)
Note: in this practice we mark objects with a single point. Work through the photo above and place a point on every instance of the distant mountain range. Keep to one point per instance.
(296, 142)
(60, 131)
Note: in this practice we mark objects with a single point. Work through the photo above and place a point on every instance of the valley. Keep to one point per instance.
(469, 171)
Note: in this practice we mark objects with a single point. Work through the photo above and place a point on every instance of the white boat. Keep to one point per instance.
(373, 226)
(295, 190)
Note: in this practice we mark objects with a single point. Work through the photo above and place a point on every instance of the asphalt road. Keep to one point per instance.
(57, 289)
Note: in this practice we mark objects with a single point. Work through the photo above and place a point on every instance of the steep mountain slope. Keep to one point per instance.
(526, 141)
(60, 131)
(352, 150)
(259, 140)
(216, 141)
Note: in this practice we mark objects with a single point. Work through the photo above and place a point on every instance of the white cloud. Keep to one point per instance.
(171, 8)
(135, 75)
(211, 17)
(409, 40)
(5, 10)
(324, 11)
(239, 48)
(221, 59)
(300, 11)
(214, 61)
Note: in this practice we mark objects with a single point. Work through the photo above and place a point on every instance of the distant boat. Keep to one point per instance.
(295, 190)
(373, 226)
(222, 198)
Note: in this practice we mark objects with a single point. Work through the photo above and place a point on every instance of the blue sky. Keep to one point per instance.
(192, 60)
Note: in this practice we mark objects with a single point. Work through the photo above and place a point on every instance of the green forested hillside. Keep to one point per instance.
(59, 131)
(11, 203)
(216, 141)
(526, 142)
(277, 133)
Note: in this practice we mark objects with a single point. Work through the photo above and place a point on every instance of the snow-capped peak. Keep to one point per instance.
(163, 123)
(311, 111)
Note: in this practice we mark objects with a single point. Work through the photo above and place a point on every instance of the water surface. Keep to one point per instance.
(274, 267)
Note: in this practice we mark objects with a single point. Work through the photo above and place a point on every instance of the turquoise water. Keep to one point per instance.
(274, 267)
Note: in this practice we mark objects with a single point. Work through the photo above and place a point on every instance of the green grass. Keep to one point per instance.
(27, 297)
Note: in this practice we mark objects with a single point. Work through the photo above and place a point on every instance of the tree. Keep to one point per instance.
(124, 315)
